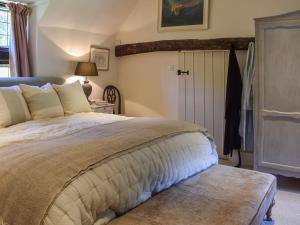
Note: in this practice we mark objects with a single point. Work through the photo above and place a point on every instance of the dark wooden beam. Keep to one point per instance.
(181, 45)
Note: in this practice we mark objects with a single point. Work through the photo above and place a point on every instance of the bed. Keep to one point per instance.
(92, 169)
(88, 168)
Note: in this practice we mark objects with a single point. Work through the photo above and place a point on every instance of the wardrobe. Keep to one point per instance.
(277, 91)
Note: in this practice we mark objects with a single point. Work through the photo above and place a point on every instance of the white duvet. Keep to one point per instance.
(54, 127)
(114, 187)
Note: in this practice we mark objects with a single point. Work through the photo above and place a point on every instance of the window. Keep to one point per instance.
(4, 27)
(4, 41)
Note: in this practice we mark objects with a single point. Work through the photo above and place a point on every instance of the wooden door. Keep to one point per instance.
(202, 92)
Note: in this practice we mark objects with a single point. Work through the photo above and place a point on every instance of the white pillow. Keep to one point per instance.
(13, 108)
(43, 102)
(72, 98)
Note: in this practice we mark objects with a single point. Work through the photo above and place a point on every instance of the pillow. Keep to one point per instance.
(13, 108)
(43, 102)
(72, 98)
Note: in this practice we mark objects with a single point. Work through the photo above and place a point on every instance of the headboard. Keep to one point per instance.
(34, 81)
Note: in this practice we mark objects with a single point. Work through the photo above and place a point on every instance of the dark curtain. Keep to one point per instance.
(232, 139)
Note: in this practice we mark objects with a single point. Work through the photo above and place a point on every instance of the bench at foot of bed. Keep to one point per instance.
(219, 196)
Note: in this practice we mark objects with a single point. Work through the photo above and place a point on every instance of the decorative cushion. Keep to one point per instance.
(13, 108)
(43, 102)
(72, 98)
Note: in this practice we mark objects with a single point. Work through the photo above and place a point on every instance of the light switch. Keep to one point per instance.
(171, 68)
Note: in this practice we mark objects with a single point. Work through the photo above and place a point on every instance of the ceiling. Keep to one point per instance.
(95, 16)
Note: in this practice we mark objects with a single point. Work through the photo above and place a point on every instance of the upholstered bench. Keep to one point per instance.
(219, 196)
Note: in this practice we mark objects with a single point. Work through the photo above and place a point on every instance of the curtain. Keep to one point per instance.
(18, 49)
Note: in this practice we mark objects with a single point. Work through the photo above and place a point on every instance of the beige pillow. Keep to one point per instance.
(43, 102)
(13, 108)
(72, 98)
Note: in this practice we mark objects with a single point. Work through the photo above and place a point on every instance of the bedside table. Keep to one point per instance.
(103, 108)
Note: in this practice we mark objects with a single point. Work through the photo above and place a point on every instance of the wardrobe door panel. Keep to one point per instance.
(277, 138)
(281, 144)
(282, 79)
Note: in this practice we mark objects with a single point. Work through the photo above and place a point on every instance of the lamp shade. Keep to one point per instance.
(86, 69)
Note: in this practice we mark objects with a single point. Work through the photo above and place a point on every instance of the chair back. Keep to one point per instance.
(112, 95)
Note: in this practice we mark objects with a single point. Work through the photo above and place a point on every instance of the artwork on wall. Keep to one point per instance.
(177, 15)
(100, 56)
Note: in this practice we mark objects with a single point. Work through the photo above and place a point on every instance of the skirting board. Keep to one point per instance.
(277, 172)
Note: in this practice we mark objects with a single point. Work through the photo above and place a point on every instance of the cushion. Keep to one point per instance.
(43, 102)
(13, 108)
(72, 98)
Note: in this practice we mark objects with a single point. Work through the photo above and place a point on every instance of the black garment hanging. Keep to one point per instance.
(232, 139)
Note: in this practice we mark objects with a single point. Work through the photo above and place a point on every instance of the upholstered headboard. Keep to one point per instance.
(34, 81)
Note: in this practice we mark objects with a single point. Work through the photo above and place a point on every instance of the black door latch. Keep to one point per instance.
(180, 72)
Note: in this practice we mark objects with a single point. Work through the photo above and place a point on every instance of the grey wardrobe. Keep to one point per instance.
(277, 91)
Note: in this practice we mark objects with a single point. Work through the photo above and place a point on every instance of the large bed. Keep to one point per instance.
(89, 168)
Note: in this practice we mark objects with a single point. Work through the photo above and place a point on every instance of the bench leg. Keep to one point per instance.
(269, 212)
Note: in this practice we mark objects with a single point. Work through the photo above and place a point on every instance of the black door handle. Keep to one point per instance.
(180, 72)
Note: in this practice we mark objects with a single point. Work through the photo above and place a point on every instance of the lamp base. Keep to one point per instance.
(87, 89)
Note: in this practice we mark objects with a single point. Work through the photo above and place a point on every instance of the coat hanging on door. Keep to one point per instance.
(232, 139)
(246, 124)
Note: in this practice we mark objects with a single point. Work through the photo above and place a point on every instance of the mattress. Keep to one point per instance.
(121, 183)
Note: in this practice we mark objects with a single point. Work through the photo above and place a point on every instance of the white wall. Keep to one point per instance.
(62, 31)
(148, 86)
(227, 18)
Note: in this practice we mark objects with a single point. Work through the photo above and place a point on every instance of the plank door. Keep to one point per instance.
(202, 92)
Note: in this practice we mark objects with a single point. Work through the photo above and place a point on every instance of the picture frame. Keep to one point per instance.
(183, 15)
(100, 56)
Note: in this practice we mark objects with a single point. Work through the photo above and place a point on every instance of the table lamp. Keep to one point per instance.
(86, 69)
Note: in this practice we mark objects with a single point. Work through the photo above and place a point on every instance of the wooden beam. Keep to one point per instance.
(181, 45)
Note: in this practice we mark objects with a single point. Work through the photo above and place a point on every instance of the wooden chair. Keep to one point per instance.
(112, 95)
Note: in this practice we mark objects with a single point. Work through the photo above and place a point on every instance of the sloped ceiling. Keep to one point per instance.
(95, 16)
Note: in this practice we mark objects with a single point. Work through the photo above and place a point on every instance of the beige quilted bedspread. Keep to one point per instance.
(51, 164)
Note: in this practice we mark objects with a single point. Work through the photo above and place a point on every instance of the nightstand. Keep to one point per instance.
(103, 108)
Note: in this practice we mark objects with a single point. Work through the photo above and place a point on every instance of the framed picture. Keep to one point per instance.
(177, 15)
(100, 56)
